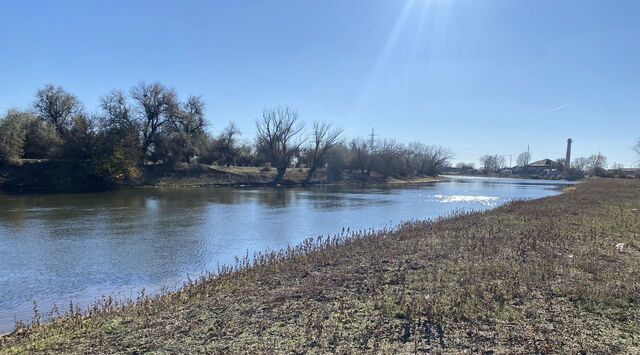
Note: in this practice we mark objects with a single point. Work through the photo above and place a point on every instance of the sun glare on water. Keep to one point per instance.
(485, 200)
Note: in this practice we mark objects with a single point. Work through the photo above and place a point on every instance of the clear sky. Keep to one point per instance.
(478, 76)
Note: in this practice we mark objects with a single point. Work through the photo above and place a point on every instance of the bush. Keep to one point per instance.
(266, 168)
(13, 135)
(80, 140)
(42, 141)
(117, 156)
(337, 160)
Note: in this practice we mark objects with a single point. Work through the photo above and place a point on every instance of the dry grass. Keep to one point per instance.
(413, 181)
(531, 277)
(200, 175)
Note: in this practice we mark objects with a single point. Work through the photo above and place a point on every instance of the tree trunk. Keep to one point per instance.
(312, 171)
(279, 175)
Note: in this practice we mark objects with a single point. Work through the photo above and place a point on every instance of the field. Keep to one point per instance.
(558, 274)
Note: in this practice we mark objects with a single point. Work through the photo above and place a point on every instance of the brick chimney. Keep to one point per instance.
(567, 162)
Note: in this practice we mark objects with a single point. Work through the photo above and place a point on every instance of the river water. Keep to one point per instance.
(57, 248)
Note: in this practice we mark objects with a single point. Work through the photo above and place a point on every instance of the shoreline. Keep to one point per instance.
(374, 291)
(394, 183)
(515, 176)
(226, 180)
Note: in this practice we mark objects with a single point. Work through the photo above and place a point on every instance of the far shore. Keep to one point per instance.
(41, 178)
(197, 175)
(512, 176)
(73, 177)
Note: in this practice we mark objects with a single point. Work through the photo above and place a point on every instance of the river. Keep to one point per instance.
(57, 248)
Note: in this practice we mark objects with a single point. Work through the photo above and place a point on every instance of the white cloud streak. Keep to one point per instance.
(561, 107)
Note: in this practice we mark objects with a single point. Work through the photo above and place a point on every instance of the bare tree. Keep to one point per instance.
(186, 137)
(389, 158)
(336, 161)
(80, 138)
(596, 164)
(492, 163)
(597, 161)
(437, 157)
(57, 107)
(323, 139)
(116, 111)
(636, 149)
(466, 166)
(364, 155)
(157, 107)
(428, 159)
(415, 156)
(278, 132)
(192, 120)
(580, 164)
(524, 158)
(617, 167)
(227, 145)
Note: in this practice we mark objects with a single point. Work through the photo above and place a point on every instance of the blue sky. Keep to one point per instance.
(488, 76)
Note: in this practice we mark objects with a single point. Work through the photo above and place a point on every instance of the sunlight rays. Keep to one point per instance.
(425, 16)
(384, 55)
(417, 41)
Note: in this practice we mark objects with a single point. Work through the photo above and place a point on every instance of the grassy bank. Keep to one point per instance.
(59, 176)
(198, 175)
(537, 276)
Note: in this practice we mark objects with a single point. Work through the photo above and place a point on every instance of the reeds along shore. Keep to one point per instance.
(552, 275)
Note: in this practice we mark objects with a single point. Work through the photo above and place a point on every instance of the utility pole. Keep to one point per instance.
(372, 139)
(528, 154)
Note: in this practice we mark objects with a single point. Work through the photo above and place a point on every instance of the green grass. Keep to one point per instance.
(539, 276)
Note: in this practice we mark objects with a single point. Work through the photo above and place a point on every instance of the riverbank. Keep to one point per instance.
(198, 175)
(518, 176)
(43, 176)
(548, 275)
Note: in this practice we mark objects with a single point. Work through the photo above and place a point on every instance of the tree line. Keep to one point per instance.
(593, 165)
(151, 125)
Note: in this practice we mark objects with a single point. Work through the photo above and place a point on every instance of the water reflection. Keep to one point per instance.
(57, 247)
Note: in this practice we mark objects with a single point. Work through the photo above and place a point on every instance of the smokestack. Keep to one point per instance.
(567, 162)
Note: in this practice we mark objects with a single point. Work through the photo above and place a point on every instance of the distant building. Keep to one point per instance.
(544, 166)
(625, 172)
(465, 170)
